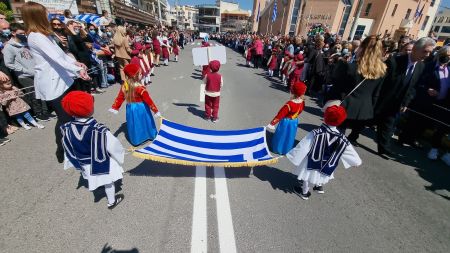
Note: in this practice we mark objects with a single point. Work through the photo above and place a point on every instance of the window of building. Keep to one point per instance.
(359, 31)
(425, 22)
(294, 19)
(395, 9)
(432, 3)
(368, 7)
(347, 10)
(436, 29)
(408, 13)
(445, 29)
(441, 19)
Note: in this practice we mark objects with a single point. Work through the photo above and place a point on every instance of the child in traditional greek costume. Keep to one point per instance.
(287, 120)
(319, 152)
(90, 147)
(140, 123)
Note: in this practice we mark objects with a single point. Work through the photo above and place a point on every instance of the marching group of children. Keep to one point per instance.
(92, 149)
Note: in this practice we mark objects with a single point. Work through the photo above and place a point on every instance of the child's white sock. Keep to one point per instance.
(110, 191)
(305, 187)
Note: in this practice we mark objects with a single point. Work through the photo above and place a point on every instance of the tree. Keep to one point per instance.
(7, 12)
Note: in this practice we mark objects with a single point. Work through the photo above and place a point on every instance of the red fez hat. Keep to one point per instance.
(298, 88)
(335, 115)
(299, 57)
(131, 69)
(78, 104)
(138, 46)
(214, 65)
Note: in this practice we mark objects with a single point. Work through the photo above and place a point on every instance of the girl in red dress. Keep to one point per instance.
(176, 50)
(285, 65)
(272, 63)
(165, 52)
(296, 69)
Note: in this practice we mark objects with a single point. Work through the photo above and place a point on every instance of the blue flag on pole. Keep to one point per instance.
(417, 13)
(257, 17)
(274, 14)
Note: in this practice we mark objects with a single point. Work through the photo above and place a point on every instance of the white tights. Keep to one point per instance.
(110, 191)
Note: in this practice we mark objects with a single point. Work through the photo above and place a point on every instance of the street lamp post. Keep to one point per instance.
(159, 12)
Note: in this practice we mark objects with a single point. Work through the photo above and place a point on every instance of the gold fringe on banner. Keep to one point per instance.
(192, 163)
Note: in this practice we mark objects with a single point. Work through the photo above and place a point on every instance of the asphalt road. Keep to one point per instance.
(382, 206)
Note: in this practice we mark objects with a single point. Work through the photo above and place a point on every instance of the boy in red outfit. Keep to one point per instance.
(214, 83)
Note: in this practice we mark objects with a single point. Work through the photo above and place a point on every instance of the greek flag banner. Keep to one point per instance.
(274, 13)
(89, 18)
(179, 144)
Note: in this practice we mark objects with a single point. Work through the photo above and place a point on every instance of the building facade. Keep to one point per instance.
(349, 18)
(184, 17)
(441, 24)
(258, 7)
(233, 19)
(431, 13)
(208, 18)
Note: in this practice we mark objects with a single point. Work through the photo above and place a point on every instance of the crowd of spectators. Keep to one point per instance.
(404, 93)
(101, 49)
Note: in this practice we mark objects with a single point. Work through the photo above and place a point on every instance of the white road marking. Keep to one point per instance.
(199, 238)
(224, 220)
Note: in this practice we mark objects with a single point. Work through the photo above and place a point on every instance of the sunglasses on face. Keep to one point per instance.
(56, 24)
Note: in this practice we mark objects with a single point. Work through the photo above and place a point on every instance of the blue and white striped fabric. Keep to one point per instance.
(186, 145)
(89, 18)
(274, 12)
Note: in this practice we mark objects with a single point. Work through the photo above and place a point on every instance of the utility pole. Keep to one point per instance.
(159, 12)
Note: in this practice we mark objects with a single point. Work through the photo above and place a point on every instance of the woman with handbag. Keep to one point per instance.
(358, 84)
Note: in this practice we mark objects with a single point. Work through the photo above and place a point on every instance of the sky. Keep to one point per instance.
(445, 3)
(243, 4)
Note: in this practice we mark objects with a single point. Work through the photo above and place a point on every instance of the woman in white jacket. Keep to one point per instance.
(55, 71)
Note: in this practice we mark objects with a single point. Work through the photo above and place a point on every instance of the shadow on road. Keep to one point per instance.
(109, 249)
(99, 193)
(434, 172)
(192, 108)
(307, 127)
(196, 76)
(121, 129)
(278, 179)
(154, 169)
(314, 111)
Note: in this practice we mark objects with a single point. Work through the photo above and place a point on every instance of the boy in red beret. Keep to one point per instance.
(140, 123)
(90, 147)
(287, 120)
(214, 83)
(318, 154)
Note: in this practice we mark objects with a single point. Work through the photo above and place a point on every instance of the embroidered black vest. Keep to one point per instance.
(85, 144)
(326, 150)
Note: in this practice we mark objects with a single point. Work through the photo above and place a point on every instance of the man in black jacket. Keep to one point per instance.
(398, 90)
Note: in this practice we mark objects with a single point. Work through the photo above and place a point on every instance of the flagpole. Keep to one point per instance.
(268, 20)
(282, 19)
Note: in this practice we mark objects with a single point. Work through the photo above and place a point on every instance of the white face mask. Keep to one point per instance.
(325, 49)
